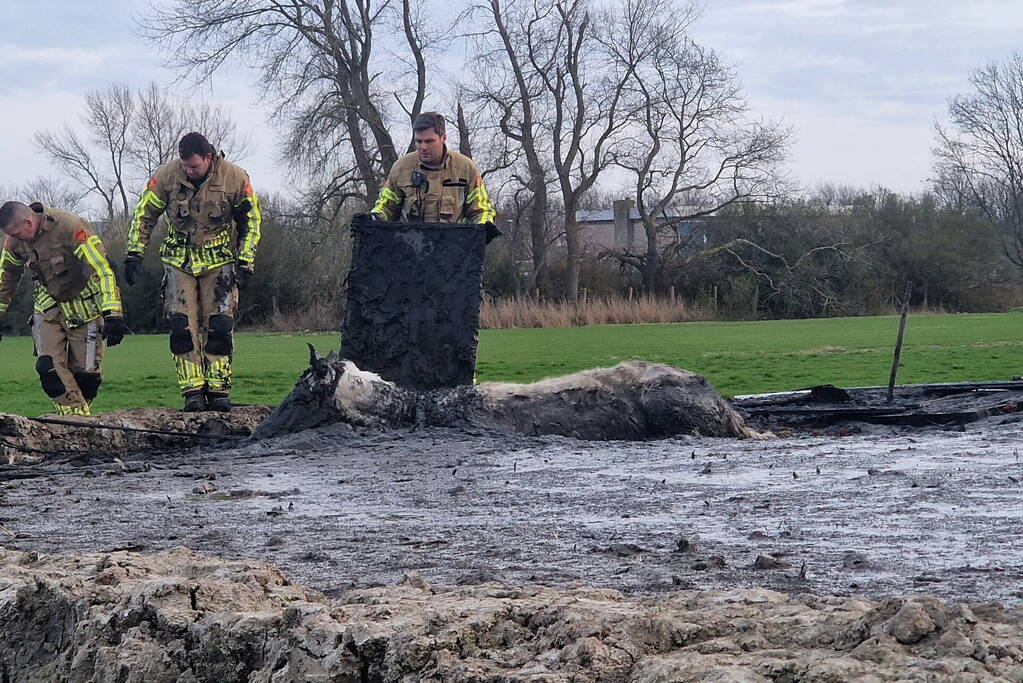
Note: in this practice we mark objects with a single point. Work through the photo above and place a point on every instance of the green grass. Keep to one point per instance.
(737, 357)
(774, 355)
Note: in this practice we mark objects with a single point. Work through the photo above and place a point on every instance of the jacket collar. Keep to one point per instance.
(47, 219)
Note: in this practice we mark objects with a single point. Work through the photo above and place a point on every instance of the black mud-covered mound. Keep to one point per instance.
(631, 401)
(413, 302)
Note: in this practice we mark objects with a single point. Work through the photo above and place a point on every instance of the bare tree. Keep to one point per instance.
(584, 70)
(53, 193)
(129, 134)
(691, 147)
(332, 68)
(508, 89)
(554, 75)
(160, 121)
(979, 157)
(73, 156)
(108, 115)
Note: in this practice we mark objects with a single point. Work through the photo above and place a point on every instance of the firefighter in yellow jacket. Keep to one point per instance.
(213, 224)
(434, 184)
(76, 302)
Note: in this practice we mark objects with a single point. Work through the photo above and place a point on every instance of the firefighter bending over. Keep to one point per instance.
(77, 306)
(434, 184)
(213, 224)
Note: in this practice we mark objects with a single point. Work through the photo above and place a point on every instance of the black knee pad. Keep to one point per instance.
(89, 383)
(48, 377)
(219, 341)
(180, 337)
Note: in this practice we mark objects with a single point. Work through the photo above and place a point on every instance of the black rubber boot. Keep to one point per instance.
(195, 402)
(220, 403)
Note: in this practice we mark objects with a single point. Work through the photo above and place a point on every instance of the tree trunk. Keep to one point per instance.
(573, 255)
(652, 263)
(464, 143)
(538, 235)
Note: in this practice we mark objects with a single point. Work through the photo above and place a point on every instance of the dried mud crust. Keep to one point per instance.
(179, 616)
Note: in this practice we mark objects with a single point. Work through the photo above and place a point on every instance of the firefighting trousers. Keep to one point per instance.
(200, 309)
(68, 360)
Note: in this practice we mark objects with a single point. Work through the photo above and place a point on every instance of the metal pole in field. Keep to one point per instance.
(898, 341)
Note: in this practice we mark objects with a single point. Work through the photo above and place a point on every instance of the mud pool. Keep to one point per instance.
(891, 512)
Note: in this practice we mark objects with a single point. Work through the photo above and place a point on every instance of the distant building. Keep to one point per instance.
(598, 231)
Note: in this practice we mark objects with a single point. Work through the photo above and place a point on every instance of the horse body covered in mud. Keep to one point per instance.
(631, 401)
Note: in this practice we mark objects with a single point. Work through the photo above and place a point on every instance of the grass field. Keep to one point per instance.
(737, 357)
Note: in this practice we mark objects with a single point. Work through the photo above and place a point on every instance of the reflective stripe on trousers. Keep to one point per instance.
(91, 338)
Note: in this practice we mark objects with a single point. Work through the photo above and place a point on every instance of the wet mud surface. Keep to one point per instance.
(886, 512)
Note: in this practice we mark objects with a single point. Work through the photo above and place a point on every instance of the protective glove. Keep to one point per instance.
(366, 218)
(132, 268)
(242, 274)
(491, 232)
(113, 329)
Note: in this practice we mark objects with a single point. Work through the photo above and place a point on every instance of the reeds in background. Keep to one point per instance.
(527, 312)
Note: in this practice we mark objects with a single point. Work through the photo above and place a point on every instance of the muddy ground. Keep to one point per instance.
(891, 511)
(180, 617)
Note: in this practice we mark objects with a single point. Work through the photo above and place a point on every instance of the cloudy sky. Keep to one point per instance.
(861, 82)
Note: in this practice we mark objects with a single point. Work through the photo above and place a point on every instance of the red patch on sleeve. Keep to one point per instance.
(152, 183)
(81, 236)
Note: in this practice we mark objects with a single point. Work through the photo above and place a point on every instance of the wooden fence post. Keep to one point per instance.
(898, 342)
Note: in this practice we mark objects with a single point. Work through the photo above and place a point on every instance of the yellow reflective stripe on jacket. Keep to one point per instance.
(82, 309)
(8, 257)
(253, 221)
(90, 252)
(142, 222)
(41, 299)
(478, 202)
(388, 204)
(175, 251)
(11, 268)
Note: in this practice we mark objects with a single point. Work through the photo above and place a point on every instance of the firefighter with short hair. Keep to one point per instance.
(77, 306)
(213, 229)
(434, 184)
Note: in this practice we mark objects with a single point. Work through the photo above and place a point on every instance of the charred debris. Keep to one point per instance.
(940, 405)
